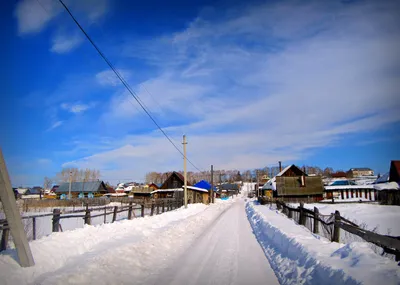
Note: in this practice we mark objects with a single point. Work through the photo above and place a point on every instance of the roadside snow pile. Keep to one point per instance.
(98, 254)
(300, 257)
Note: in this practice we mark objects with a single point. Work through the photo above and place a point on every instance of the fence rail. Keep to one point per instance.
(329, 226)
(157, 206)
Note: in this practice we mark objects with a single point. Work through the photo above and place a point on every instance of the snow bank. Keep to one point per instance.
(300, 257)
(98, 254)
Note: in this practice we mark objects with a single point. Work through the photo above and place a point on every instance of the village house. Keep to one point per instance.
(171, 188)
(88, 189)
(357, 172)
(387, 186)
(292, 183)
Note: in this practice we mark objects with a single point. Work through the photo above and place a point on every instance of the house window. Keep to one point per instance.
(175, 184)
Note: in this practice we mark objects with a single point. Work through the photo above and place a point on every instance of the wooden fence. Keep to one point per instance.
(331, 225)
(156, 206)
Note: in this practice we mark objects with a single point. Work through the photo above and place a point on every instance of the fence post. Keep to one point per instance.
(56, 220)
(302, 220)
(87, 215)
(130, 211)
(290, 213)
(336, 228)
(4, 238)
(316, 222)
(163, 206)
(152, 208)
(115, 214)
(34, 228)
(142, 210)
(105, 214)
(158, 207)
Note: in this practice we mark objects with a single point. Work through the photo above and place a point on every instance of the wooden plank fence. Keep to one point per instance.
(389, 244)
(87, 216)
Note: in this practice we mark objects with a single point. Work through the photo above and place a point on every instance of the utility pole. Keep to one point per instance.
(13, 217)
(184, 171)
(258, 188)
(212, 185)
(70, 181)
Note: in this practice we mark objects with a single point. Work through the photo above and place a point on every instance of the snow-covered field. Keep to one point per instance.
(300, 257)
(125, 252)
(381, 218)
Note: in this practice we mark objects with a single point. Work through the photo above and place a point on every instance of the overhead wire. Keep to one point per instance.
(133, 93)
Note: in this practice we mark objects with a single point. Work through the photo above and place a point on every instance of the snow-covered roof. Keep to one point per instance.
(197, 189)
(387, 186)
(167, 190)
(383, 179)
(271, 184)
(343, 187)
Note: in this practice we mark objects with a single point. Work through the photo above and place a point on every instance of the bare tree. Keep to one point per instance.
(47, 183)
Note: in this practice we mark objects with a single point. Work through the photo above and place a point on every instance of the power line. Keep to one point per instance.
(134, 95)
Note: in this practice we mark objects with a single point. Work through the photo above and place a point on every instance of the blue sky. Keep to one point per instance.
(250, 83)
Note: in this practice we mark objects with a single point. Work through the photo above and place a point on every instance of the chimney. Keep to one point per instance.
(280, 166)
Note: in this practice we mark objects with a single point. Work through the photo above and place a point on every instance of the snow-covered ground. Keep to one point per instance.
(44, 224)
(300, 257)
(383, 219)
(139, 251)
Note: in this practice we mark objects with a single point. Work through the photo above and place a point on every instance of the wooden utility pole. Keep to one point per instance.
(184, 171)
(69, 190)
(212, 185)
(258, 188)
(13, 217)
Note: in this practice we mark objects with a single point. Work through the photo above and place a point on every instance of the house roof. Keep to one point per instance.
(229, 186)
(167, 190)
(197, 189)
(90, 186)
(383, 179)
(33, 191)
(361, 169)
(387, 186)
(204, 184)
(180, 177)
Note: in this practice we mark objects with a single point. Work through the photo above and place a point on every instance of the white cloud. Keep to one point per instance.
(108, 77)
(63, 43)
(77, 107)
(250, 90)
(55, 125)
(33, 15)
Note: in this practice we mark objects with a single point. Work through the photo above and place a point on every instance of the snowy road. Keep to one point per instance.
(200, 245)
(226, 253)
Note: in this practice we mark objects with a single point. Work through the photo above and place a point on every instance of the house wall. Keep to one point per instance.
(197, 197)
(291, 186)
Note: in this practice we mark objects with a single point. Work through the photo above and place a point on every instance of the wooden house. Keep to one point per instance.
(387, 187)
(175, 180)
(293, 183)
(82, 189)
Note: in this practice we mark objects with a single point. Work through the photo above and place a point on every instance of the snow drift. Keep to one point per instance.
(300, 257)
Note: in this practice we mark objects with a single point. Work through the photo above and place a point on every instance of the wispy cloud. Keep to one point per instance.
(108, 77)
(33, 16)
(63, 43)
(77, 107)
(55, 125)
